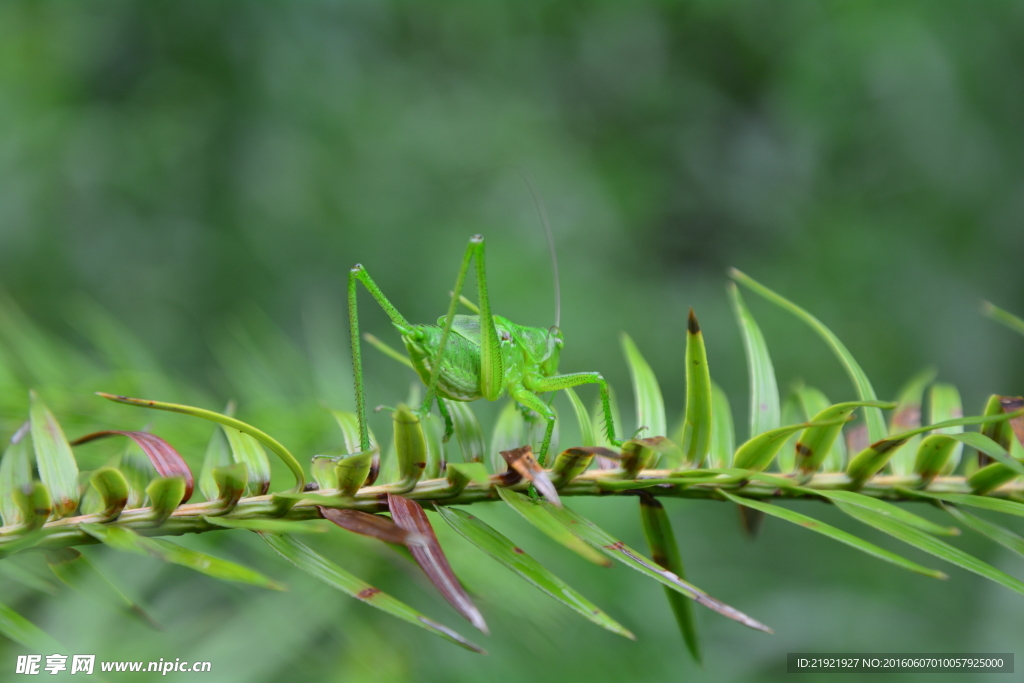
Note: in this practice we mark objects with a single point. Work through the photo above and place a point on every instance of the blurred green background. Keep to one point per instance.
(198, 177)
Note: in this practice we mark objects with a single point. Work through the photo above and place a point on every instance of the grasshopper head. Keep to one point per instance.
(549, 363)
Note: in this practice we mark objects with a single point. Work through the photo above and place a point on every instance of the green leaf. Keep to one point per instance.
(112, 488)
(931, 545)
(873, 458)
(76, 571)
(833, 533)
(908, 416)
(165, 494)
(817, 442)
(792, 413)
(514, 558)
(468, 431)
(231, 481)
(408, 515)
(461, 473)
(665, 552)
(944, 404)
(283, 453)
(334, 576)
(540, 518)
(722, 433)
(165, 460)
(57, 467)
(865, 392)
(588, 437)
(698, 423)
(218, 455)
(813, 402)
(126, 540)
(1008, 507)
(765, 409)
(410, 447)
(1004, 317)
(245, 449)
(25, 633)
(882, 507)
(757, 453)
(650, 406)
(618, 550)
(1002, 536)
(509, 432)
(272, 526)
(15, 474)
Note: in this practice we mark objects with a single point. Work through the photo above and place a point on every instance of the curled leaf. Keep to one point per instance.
(167, 461)
(410, 516)
(57, 467)
(522, 461)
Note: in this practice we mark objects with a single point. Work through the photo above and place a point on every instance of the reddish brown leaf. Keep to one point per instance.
(167, 461)
(366, 524)
(1012, 404)
(427, 551)
(522, 461)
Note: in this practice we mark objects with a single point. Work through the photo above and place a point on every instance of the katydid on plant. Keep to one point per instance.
(469, 357)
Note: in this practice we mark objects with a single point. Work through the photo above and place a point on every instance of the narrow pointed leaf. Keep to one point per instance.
(665, 552)
(1004, 317)
(57, 467)
(25, 577)
(865, 392)
(283, 453)
(1000, 432)
(765, 408)
(522, 461)
(437, 449)
(834, 533)
(816, 443)
(618, 550)
(76, 571)
(757, 453)
(792, 413)
(15, 474)
(931, 545)
(25, 633)
(907, 416)
(514, 558)
(167, 461)
(944, 404)
(1008, 507)
(509, 432)
(723, 440)
(650, 406)
(427, 551)
(698, 424)
(588, 436)
(541, 519)
(468, 431)
(334, 576)
(126, 540)
(1000, 535)
(272, 526)
(882, 507)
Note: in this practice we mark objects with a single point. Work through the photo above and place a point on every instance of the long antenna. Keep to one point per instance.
(525, 175)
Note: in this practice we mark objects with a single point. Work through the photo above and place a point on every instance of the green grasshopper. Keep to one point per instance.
(469, 357)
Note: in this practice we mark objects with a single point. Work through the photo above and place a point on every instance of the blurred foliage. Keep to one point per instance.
(205, 173)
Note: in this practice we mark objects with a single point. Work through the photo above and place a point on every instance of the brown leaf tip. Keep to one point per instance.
(691, 323)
